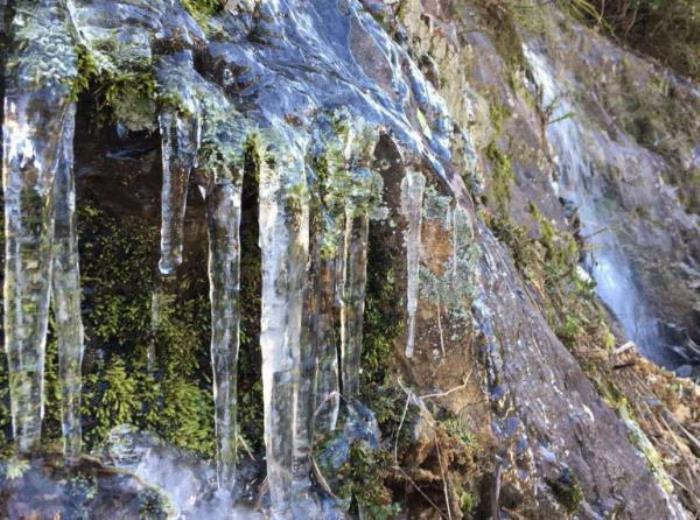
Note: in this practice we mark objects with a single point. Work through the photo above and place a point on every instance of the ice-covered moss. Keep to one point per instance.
(48, 58)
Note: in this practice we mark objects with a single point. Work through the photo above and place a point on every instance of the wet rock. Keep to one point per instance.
(684, 371)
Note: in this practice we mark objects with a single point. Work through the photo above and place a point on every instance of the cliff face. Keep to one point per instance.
(578, 135)
(416, 207)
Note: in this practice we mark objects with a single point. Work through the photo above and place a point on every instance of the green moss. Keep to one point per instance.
(567, 491)
(87, 71)
(383, 319)
(125, 94)
(363, 480)
(110, 399)
(549, 262)
(173, 400)
(502, 175)
(498, 114)
(453, 426)
(467, 501)
(201, 10)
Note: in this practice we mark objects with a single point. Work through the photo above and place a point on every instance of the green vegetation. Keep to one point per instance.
(127, 95)
(201, 10)
(549, 262)
(172, 398)
(383, 325)
(363, 479)
(467, 502)
(668, 30)
(502, 175)
(567, 491)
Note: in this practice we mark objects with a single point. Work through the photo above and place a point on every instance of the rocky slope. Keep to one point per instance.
(505, 170)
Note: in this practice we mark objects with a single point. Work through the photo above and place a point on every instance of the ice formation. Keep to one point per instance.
(272, 88)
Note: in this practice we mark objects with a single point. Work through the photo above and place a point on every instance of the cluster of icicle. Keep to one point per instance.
(41, 254)
(317, 193)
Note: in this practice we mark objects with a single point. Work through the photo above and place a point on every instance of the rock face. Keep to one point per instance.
(353, 149)
(610, 135)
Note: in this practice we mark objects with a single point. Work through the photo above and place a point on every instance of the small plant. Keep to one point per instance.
(15, 468)
(502, 175)
(363, 479)
(567, 491)
(454, 427)
(467, 502)
(201, 10)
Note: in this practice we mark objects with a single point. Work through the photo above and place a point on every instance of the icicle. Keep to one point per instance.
(326, 379)
(38, 132)
(320, 321)
(179, 138)
(224, 216)
(365, 186)
(67, 293)
(353, 307)
(220, 165)
(325, 271)
(284, 234)
(412, 188)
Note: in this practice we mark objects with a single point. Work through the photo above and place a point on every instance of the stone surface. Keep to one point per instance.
(481, 346)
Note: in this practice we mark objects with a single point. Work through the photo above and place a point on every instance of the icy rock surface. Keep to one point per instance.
(306, 90)
(276, 74)
(188, 484)
(641, 240)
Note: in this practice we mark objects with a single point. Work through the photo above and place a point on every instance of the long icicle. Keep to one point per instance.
(179, 138)
(220, 167)
(365, 195)
(38, 126)
(224, 217)
(67, 295)
(321, 314)
(326, 385)
(284, 235)
(412, 188)
(353, 300)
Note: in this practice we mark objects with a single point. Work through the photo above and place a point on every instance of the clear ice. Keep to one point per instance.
(252, 89)
(284, 241)
(412, 188)
(179, 138)
(40, 239)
